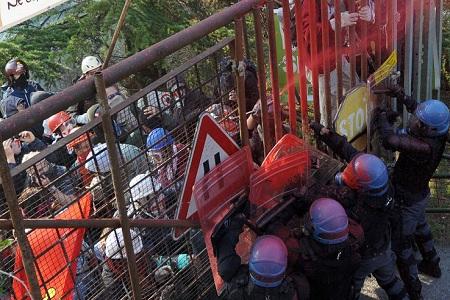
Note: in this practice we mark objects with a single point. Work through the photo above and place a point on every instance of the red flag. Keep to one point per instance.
(55, 249)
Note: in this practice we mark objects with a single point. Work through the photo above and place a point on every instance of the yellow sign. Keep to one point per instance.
(51, 292)
(351, 119)
(386, 68)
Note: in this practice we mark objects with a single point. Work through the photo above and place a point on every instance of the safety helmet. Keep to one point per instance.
(115, 245)
(90, 63)
(176, 82)
(55, 121)
(268, 261)
(142, 186)
(76, 141)
(327, 221)
(16, 67)
(365, 173)
(100, 152)
(159, 138)
(435, 115)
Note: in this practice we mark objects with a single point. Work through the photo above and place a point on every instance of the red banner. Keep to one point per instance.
(55, 249)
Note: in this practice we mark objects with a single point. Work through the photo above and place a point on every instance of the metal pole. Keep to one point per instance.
(353, 49)
(426, 74)
(338, 51)
(115, 37)
(418, 48)
(314, 59)
(289, 66)
(439, 16)
(246, 40)
(301, 67)
(240, 79)
(274, 72)
(100, 223)
(392, 39)
(409, 34)
(379, 27)
(117, 183)
(17, 222)
(364, 39)
(326, 53)
(262, 81)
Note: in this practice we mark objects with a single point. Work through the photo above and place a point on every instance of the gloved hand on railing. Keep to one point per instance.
(318, 129)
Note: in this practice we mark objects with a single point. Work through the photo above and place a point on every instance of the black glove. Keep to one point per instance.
(395, 90)
(231, 226)
(392, 116)
(316, 127)
(385, 127)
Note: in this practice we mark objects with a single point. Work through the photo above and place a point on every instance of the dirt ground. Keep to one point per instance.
(432, 288)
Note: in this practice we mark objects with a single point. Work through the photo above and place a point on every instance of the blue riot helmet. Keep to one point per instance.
(268, 261)
(365, 173)
(435, 117)
(327, 222)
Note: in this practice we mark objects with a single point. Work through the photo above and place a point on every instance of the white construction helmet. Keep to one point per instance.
(142, 186)
(115, 245)
(100, 152)
(90, 63)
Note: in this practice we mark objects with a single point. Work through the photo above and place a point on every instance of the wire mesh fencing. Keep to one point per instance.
(72, 179)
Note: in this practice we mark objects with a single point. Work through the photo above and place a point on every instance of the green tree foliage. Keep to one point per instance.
(54, 44)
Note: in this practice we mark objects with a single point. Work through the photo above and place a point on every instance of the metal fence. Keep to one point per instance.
(95, 209)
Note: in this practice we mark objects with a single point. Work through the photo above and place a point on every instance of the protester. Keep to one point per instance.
(97, 162)
(61, 124)
(187, 104)
(162, 147)
(81, 147)
(348, 19)
(17, 96)
(114, 275)
(148, 202)
(54, 178)
(227, 83)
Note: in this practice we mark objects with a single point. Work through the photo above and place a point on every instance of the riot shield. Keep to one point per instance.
(214, 195)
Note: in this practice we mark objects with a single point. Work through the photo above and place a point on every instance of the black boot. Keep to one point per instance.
(414, 288)
(430, 268)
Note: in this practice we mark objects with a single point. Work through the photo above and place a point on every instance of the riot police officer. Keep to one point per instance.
(329, 246)
(264, 277)
(421, 147)
(369, 202)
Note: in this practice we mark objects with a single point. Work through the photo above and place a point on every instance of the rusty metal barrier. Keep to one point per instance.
(102, 199)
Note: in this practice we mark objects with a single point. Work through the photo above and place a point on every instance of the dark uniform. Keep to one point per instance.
(373, 212)
(419, 157)
(320, 262)
(237, 276)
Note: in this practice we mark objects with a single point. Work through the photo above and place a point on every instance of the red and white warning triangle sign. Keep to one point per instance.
(211, 146)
